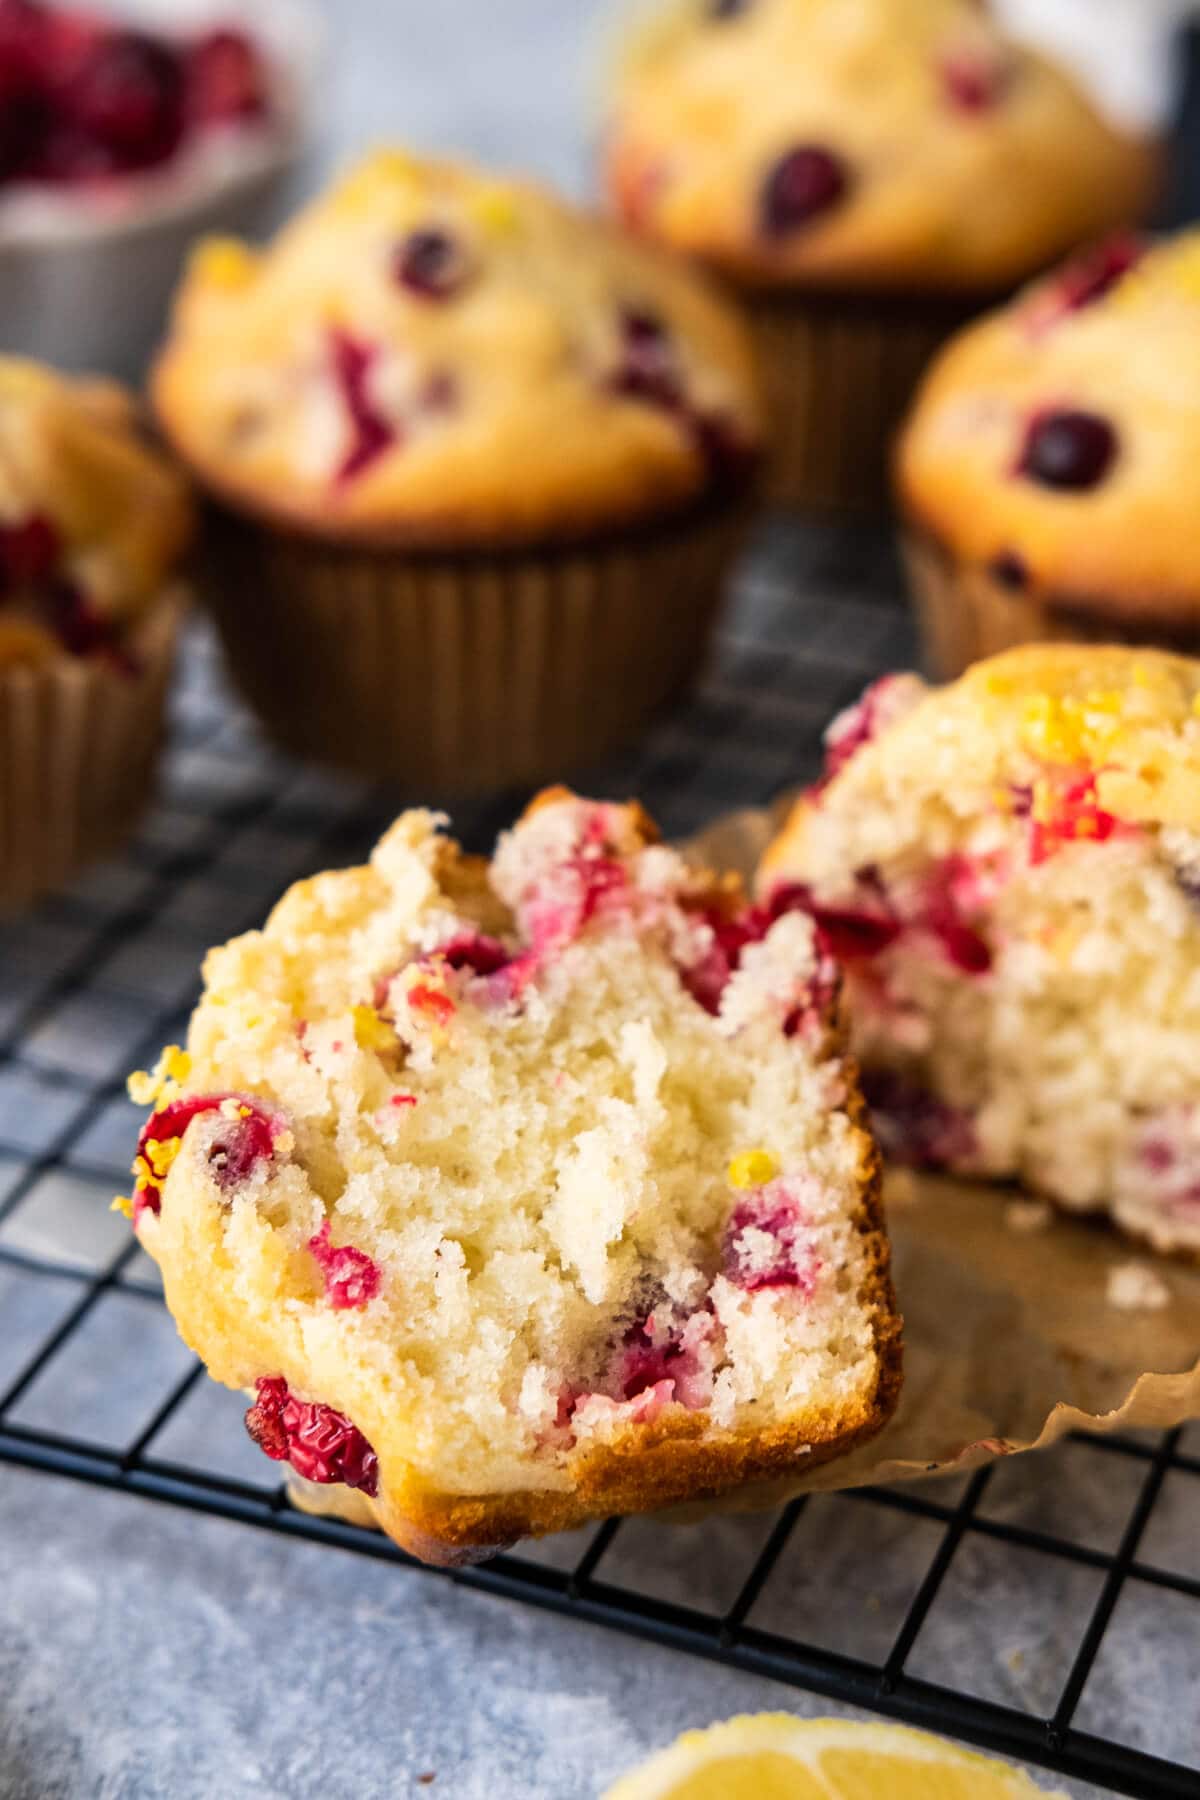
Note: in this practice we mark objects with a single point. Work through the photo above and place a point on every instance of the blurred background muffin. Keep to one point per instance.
(123, 132)
(867, 173)
(479, 464)
(1049, 476)
(92, 528)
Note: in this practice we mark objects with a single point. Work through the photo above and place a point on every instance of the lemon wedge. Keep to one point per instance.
(773, 1756)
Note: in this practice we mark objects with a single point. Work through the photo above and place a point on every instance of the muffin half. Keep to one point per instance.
(527, 1192)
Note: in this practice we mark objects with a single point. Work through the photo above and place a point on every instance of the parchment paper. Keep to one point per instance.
(1011, 1338)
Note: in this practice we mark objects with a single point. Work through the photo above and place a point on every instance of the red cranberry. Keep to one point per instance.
(847, 933)
(1087, 278)
(1075, 815)
(858, 726)
(235, 1150)
(127, 96)
(321, 1444)
(25, 103)
(973, 81)
(913, 1126)
(1067, 449)
(372, 434)
(1009, 570)
(352, 1278)
(28, 552)
(941, 914)
(648, 368)
(473, 950)
(805, 183)
(431, 263)
(226, 79)
(791, 1264)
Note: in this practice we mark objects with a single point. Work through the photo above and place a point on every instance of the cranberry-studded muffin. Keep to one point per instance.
(522, 1193)
(868, 176)
(1049, 476)
(1009, 871)
(480, 462)
(92, 527)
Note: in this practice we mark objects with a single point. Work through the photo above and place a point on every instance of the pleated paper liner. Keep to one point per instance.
(79, 743)
(966, 614)
(1012, 1338)
(839, 373)
(459, 673)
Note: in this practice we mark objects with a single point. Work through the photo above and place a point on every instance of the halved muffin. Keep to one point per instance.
(1009, 870)
(526, 1192)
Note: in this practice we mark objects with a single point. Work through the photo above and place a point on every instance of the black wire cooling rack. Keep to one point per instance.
(993, 1609)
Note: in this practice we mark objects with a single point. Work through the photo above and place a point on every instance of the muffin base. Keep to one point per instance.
(460, 673)
(839, 372)
(965, 614)
(78, 747)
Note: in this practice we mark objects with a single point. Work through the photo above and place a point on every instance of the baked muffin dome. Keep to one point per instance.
(889, 144)
(526, 1192)
(1009, 868)
(1056, 444)
(92, 521)
(431, 355)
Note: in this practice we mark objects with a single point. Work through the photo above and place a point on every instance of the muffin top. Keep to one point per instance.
(433, 356)
(92, 520)
(1057, 442)
(906, 145)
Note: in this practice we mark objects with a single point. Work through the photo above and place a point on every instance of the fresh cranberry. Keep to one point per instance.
(857, 726)
(25, 100)
(321, 1444)
(773, 1213)
(1086, 279)
(649, 368)
(127, 96)
(28, 552)
(1067, 449)
(226, 79)
(974, 82)
(371, 433)
(805, 183)
(706, 980)
(352, 1278)
(941, 913)
(431, 263)
(236, 1149)
(1073, 815)
(847, 933)
(1009, 570)
(913, 1126)
(475, 951)
(662, 1356)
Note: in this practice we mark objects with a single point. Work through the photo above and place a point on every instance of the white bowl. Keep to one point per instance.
(84, 280)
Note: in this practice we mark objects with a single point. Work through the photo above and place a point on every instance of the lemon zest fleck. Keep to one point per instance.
(753, 1168)
(123, 1205)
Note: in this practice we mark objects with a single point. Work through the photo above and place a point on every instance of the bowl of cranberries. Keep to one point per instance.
(123, 133)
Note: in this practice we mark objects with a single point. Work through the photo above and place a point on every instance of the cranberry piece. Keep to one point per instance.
(1075, 814)
(226, 79)
(431, 263)
(321, 1444)
(847, 933)
(244, 1142)
(473, 950)
(1067, 449)
(25, 108)
(791, 1263)
(1087, 278)
(127, 96)
(974, 82)
(648, 368)
(372, 434)
(352, 1278)
(857, 726)
(805, 183)
(942, 915)
(28, 552)
(913, 1126)
(1009, 570)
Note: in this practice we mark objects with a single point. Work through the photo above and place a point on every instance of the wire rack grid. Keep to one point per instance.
(993, 1609)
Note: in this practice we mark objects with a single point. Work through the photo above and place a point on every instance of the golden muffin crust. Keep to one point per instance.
(92, 520)
(1009, 869)
(435, 356)
(525, 1191)
(903, 145)
(1057, 442)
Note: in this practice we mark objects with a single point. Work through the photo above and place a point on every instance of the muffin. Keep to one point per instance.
(92, 527)
(478, 466)
(518, 1194)
(1009, 870)
(868, 177)
(1049, 477)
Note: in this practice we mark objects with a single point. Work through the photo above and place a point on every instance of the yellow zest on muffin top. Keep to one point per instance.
(1056, 444)
(92, 521)
(890, 144)
(432, 355)
(1009, 870)
(524, 1191)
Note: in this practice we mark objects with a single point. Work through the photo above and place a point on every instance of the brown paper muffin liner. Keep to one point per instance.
(458, 673)
(838, 375)
(966, 614)
(78, 745)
